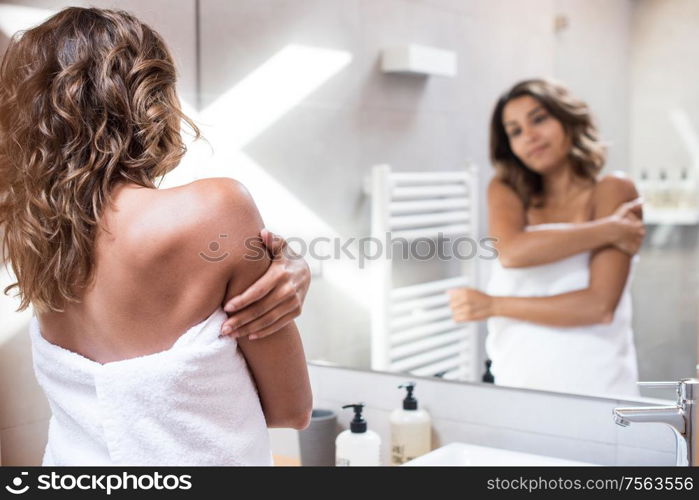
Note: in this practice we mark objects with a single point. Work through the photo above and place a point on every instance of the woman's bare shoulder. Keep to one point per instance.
(616, 185)
(610, 191)
(201, 235)
(221, 199)
(211, 186)
(211, 214)
(224, 239)
(186, 217)
(203, 197)
(501, 192)
(498, 186)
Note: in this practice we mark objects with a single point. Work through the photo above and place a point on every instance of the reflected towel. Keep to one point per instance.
(193, 404)
(596, 359)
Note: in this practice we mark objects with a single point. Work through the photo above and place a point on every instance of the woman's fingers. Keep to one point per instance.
(633, 240)
(461, 296)
(469, 304)
(278, 296)
(631, 247)
(258, 306)
(256, 291)
(464, 313)
(271, 318)
(459, 301)
(632, 205)
(252, 312)
(631, 209)
(273, 242)
(274, 327)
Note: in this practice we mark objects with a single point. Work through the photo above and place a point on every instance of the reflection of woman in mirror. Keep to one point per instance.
(557, 305)
(128, 282)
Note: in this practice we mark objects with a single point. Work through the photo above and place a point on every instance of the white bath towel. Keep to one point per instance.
(596, 359)
(193, 404)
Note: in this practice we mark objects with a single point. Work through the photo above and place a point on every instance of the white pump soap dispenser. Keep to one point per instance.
(357, 445)
(411, 429)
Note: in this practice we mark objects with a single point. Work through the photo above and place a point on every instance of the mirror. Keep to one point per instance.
(307, 148)
(294, 103)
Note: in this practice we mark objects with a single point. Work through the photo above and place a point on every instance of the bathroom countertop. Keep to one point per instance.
(285, 461)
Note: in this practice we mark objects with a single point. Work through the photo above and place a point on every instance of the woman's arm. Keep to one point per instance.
(277, 362)
(273, 300)
(609, 269)
(519, 248)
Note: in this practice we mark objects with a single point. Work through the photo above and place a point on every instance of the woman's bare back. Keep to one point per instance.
(146, 292)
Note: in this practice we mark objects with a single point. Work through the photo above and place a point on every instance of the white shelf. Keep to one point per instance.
(672, 216)
(417, 59)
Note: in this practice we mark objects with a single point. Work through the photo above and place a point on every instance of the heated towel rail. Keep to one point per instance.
(411, 327)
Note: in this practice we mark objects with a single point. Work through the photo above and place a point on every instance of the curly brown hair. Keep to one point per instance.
(587, 153)
(87, 100)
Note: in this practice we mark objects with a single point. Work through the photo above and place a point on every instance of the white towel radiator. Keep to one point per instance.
(411, 327)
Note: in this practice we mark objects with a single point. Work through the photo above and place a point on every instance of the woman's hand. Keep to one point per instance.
(628, 229)
(275, 299)
(469, 304)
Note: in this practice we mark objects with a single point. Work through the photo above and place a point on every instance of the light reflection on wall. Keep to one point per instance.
(17, 17)
(243, 113)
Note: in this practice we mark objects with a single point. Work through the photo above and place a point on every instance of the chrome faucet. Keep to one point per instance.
(681, 417)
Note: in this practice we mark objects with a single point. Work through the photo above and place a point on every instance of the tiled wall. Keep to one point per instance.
(597, 41)
(24, 411)
(559, 425)
(667, 324)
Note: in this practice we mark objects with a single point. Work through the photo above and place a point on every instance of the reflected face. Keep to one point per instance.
(536, 137)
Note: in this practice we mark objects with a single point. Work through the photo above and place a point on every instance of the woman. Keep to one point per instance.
(128, 282)
(558, 306)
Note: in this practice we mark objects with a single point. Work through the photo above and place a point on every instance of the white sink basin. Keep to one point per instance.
(463, 454)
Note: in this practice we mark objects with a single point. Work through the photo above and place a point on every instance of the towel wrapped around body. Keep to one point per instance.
(594, 359)
(193, 404)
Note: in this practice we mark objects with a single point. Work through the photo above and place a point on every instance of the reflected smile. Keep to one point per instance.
(537, 150)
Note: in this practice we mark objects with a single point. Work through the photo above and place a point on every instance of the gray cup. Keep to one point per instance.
(317, 441)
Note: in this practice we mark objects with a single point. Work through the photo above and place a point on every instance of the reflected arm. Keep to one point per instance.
(519, 248)
(609, 270)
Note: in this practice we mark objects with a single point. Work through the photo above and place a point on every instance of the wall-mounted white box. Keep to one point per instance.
(417, 59)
